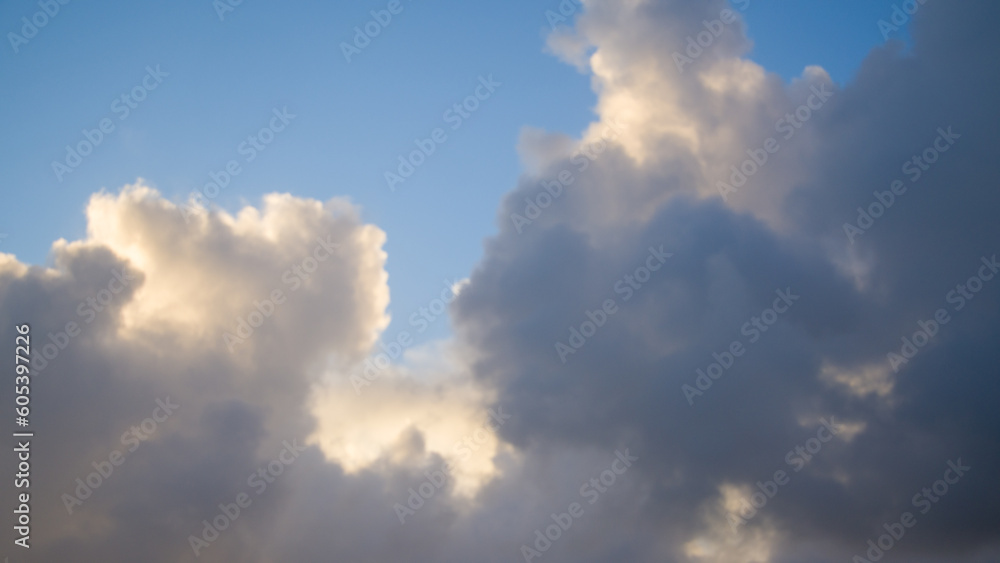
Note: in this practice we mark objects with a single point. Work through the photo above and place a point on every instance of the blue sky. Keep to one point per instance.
(352, 120)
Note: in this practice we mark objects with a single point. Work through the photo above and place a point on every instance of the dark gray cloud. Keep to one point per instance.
(857, 300)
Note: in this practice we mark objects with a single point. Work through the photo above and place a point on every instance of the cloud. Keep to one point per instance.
(683, 133)
(283, 376)
(162, 335)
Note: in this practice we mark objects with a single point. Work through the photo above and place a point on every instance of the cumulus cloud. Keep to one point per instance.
(176, 291)
(683, 134)
(764, 282)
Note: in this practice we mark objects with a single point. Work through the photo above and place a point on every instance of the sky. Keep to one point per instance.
(603, 280)
(226, 73)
